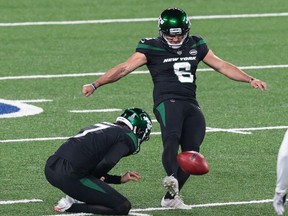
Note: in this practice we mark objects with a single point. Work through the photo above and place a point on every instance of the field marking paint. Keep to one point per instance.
(15, 108)
(82, 214)
(35, 101)
(138, 212)
(97, 110)
(208, 205)
(6, 202)
(208, 129)
(81, 22)
(71, 214)
(34, 139)
(20, 108)
(244, 130)
(47, 76)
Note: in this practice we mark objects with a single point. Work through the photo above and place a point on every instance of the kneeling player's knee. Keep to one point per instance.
(124, 208)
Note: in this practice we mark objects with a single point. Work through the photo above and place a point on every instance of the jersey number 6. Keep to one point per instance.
(183, 72)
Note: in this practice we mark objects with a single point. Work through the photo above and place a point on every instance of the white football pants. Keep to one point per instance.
(282, 166)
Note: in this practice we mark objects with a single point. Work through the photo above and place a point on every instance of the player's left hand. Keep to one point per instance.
(256, 83)
(130, 176)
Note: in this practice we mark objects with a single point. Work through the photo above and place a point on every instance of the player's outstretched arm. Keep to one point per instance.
(231, 71)
(116, 73)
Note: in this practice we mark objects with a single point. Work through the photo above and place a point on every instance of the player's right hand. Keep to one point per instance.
(130, 176)
(87, 90)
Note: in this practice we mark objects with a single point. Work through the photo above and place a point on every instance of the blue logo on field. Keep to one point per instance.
(7, 108)
(12, 109)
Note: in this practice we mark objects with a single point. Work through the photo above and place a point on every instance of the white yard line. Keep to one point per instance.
(35, 101)
(47, 76)
(208, 129)
(6, 202)
(71, 214)
(208, 205)
(81, 22)
(96, 110)
(139, 212)
(33, 139)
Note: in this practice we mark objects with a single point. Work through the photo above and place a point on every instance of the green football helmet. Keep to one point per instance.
(173, 21)
(138, 121)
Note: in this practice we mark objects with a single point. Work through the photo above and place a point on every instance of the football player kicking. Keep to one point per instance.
(80, 166)
(172, 60)
(282, 177)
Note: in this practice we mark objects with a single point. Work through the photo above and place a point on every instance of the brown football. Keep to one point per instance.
(193, 163)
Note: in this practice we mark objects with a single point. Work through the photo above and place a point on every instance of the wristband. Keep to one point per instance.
(94, 86)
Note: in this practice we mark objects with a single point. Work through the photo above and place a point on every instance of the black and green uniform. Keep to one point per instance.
(77, 166)
(175, 106)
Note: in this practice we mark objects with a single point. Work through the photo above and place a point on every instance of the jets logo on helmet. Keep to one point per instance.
(149, 123)
(138, 121)
(131, 118)
(160, 21)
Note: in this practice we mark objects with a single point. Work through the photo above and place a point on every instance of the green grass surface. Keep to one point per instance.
(243, 166)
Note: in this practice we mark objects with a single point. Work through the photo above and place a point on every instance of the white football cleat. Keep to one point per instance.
(176, 203)
(171, 184)
(70, 199)
(65, 203)
(279, 201)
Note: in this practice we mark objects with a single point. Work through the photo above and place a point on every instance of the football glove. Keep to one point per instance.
(279, 202)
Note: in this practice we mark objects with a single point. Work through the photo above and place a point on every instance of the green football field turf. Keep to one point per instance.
(45, 64)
